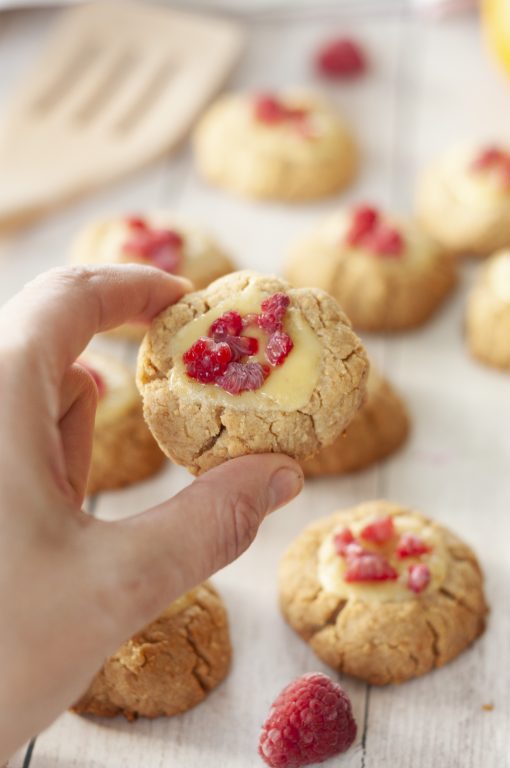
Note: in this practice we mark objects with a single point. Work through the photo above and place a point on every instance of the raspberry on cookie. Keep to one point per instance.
(387, 274)
(382, 593)
(169, 666)
(123, 450)
(378, 429)
(288, 146)
(249, 365)
(158, 240)
(488, 313)
(463, 199)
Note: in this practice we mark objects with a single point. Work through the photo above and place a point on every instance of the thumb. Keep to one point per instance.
(167, 550)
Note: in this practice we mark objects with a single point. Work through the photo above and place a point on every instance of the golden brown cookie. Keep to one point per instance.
(249, 365)
(169, 666)
(157, 239)
(387, 274)
(123, 451)
(378, 429)
(463, 199)
(291, 146)
(382, 593)
(488, 313)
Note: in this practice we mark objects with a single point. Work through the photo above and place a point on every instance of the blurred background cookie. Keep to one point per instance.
(488, 313)
(463, 199)
(377, 429)
(123, 451)
(249, 365)
(169, 666)
(382, 593)
(281, 146)
(157, 239)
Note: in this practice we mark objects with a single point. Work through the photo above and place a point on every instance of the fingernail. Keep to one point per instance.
(284, 484)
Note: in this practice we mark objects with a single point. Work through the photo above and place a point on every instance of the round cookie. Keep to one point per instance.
(157, 239)
(249, 365)
(123, 450)
(488, 313)
(387, 274)
(169, 666)
(463, 199)
(290, 146)
(378, 429)
(382, 593)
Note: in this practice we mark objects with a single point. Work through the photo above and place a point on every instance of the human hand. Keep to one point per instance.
(73, 588)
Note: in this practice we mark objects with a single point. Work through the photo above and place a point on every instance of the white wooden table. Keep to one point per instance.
(430, 84)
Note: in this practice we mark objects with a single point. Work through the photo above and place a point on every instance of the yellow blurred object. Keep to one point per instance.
(496, 23)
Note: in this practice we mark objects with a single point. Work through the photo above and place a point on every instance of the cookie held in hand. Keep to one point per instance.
(249, 365)
(382, 593)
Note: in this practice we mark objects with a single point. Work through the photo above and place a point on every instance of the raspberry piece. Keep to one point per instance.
(342, 539)
(494, 159)
(410, 545)
(380, 531)
(241, 377)
(98, 379)
(369, 566)
(341, 58)
(363, 220)
(273, 311)
(269, 109)
(229, 324)
(161, 247)
(136, 222)
(242, 346)
(207, 360)
(278, 347)
(418, 577)
(251, 320)
(309, 721)
(386, 241)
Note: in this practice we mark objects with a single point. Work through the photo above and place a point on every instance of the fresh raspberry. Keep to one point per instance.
(241, 377)
(369, 566)
(385, 241)
(364, 219)
(341, 58)
(206, 360)
(309, 721)
(278, 347)
(161, 247)
(269, 109)
(380, 531)
(228, 324)
(418, 577)
(242, 346)
(98, 379)
(410, 545)
(272, 312)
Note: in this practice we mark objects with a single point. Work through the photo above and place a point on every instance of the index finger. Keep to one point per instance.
(58, 313)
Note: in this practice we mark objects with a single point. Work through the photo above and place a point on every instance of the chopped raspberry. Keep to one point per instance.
(269, 109)
(341, 58)
(161, 247)
(242, 346)
(241, 377)
(342, 539)
(251, 320)
(98, 379)
(369, 566)
(410, 545)
(494, 159)
(278, 347)
(386, 241)
(380, 531)
(364, 219)
(418, 577)
(369, 231)
(207, 360)
(309, 721)
(273, 311)
(229, 324)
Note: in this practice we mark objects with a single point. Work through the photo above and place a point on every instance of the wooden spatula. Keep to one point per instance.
(119, 85)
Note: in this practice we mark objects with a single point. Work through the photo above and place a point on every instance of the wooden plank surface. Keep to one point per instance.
(430, 84)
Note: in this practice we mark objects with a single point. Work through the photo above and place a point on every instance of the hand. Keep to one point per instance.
(73, 588)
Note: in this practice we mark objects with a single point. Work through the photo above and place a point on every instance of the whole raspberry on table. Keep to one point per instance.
(310, 721)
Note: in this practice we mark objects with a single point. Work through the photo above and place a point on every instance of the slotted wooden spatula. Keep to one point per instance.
(119, 85)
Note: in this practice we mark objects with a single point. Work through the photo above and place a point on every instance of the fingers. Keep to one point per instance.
(78, 409)
(167, 550)
(58, 313)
